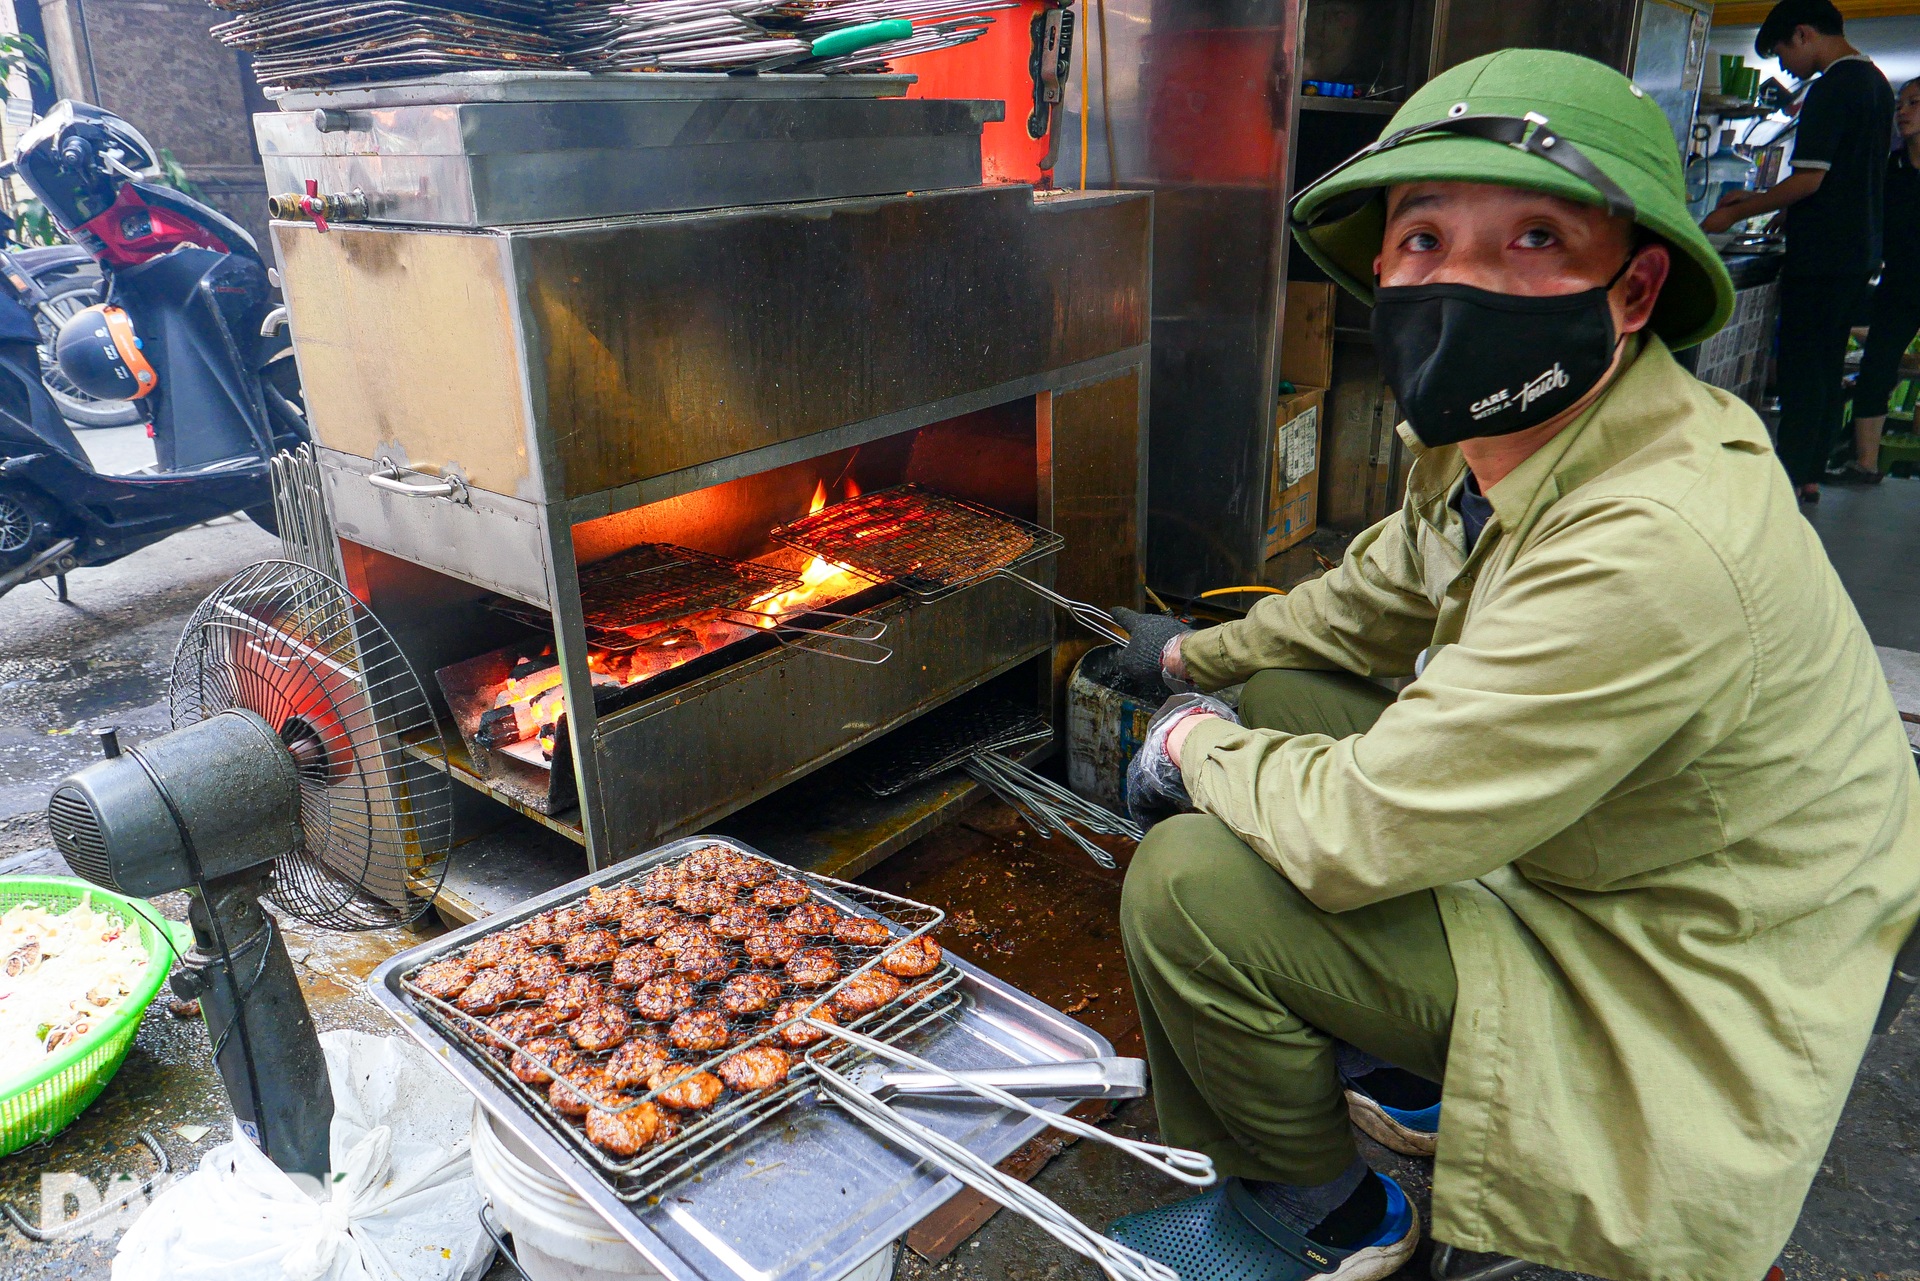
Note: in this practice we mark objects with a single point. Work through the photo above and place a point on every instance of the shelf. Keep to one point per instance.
(1353, 106)
(459, 766)
(499, 869)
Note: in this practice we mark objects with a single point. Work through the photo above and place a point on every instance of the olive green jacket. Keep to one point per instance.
(1657, 780)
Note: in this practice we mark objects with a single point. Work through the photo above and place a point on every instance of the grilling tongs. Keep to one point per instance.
(860, 1093)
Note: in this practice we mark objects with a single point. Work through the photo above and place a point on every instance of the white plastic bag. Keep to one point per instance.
(402, 1206)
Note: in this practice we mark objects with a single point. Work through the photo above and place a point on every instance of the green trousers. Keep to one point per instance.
(1244, 986)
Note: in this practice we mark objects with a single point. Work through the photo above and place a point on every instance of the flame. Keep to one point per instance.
(539, 701)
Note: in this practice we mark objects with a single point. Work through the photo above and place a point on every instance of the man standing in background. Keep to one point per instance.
(1833, 222)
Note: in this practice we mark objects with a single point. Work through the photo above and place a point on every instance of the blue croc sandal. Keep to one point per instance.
(1224, 1235)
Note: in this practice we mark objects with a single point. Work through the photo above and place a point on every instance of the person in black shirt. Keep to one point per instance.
(1896, 302)
(1833, 204)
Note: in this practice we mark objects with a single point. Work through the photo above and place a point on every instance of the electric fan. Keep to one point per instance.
(285, 778)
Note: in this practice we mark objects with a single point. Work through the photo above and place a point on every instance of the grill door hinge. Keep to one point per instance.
(1050, 65)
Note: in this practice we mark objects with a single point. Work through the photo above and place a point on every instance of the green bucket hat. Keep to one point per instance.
(1538, 119)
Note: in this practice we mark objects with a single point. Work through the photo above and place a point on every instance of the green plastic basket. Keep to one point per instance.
(41, 1105)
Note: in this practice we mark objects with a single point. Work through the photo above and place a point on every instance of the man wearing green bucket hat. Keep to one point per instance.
(1614, 885)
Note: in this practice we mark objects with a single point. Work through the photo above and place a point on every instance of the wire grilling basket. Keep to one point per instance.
(931, 545)
(917, 1002)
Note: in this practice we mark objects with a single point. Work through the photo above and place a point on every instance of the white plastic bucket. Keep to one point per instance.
(559, 1237)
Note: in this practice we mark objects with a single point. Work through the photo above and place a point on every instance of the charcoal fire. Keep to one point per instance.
(679, 597)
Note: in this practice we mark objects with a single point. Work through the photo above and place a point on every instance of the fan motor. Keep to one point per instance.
(224, 792)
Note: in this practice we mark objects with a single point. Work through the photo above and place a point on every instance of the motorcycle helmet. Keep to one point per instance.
(99, 352)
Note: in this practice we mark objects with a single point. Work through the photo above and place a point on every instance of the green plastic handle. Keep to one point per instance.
(848, 39)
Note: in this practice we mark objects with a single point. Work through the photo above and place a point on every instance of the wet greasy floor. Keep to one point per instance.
(1038, 914)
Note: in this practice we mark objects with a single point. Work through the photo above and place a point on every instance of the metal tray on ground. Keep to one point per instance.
(810, 1193)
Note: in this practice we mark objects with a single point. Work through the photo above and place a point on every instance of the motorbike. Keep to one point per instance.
(188, 332)
(57, 281)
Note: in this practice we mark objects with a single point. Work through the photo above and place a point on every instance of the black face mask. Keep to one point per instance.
(1468, 362)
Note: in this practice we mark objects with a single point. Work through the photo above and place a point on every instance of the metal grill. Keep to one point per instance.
(922, 1002)
(923, 542)
(658, 582)
(946, 738)
(629, 599)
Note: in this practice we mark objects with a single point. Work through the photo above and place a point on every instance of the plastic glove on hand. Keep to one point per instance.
(1155, 788)
(1141, 659)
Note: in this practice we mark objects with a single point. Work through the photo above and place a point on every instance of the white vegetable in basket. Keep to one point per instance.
(60, 974)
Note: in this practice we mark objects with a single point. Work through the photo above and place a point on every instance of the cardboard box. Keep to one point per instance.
(1293, 492)
(1306, 335)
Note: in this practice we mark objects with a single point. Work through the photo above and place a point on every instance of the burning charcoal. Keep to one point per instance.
(445, 979)
(865, 993)
(785, 892)
(772, 946)
(912, 959)
(811, 918)
(749, 993)
(570, 997)
(738, 921)
(499, 727)
(604, 1025)
(756, 1068)
(702, 1030)
(813, 967)
(862, 931)
(625, 1132)
(801, 1035)
(591, 947)
(681, 1087)
(636, 964)
(637, 1060)
(658, 1000)
(526, 667)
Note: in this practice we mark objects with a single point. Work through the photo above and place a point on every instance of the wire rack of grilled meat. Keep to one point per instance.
(625, 597)
(656, 1018)
(927, 543)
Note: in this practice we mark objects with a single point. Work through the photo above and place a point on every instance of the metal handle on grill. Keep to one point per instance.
(387, 473)
(1091, 617)
(864, 636)
(1112, 1078)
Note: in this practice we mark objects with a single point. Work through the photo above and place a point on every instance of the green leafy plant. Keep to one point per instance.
(22, 52)
(174, 174)
(33, 225)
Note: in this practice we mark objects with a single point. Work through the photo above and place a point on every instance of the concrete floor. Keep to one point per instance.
(103, 659)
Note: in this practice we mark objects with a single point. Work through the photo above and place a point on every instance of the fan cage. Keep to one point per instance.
(295, 647)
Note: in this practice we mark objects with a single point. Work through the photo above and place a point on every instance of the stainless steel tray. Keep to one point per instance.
(811, 1193)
